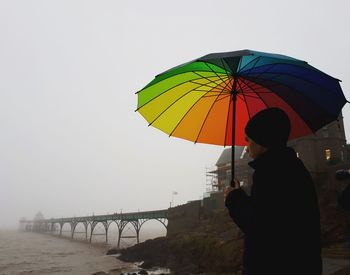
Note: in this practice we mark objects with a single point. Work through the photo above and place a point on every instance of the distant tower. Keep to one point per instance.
(39, 216)
(38, 225)
(22, 224)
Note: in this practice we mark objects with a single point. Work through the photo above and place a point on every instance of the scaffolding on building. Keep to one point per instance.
(212, 180)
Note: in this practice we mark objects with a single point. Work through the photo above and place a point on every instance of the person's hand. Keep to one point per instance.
(228, 189)
(235, 184)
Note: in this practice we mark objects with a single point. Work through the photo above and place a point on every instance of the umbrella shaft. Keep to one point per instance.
(234, 99)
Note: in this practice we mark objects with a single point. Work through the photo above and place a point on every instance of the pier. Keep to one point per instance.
(136, 219)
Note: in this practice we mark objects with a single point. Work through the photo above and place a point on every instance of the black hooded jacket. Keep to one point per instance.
(280, 218)
(344, 198)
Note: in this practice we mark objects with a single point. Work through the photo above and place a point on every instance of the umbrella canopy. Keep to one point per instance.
(210, 99)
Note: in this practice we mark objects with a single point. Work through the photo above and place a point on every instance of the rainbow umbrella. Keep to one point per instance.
(210, 99)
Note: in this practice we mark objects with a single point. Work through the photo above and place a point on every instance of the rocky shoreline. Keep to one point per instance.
(214, 245)
(118, 271)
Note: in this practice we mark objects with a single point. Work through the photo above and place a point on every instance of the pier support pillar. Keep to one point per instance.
(105, 225)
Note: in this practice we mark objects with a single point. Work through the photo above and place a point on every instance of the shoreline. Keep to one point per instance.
(104, 248)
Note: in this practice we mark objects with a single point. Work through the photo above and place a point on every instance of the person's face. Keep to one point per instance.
(254, 150)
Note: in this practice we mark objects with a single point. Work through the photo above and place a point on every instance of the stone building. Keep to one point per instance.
(322, 153)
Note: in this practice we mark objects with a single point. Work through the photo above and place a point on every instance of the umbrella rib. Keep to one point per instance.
(230, 77)
(297, 113)
(283, 61)
(264, 72)
(261, 88)
(207, 64)
(267, 106)
(168, 78)
(301, 78)
(251, 69)
(203, 77)
(256, 60)
(245, 101)
(249, 89)
(206, 117)
(205, 90)
(299, 93)
(252, 90)
(202, 85)
(222, 62)
(218, 85)
(164, 93)
(187, 113)
(267, 72)
(227, 119)
(252, 96)
(261, 73)
(306, 66)
(217, 95)
(321, 107)
(206, 84)
(298, 66)
(167, 108)
(223, 65)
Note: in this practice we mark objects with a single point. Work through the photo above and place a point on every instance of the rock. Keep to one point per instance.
(113, 251)
(147, 264)
(143, 272)
(100, 273)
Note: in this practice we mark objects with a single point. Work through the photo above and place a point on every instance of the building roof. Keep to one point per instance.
(225, 156)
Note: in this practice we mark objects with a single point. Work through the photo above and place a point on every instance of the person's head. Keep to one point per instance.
(268, 129)
(253, 149)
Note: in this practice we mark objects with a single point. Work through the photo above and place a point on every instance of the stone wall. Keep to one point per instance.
(186, 217)
(183, 217)
(214, 202)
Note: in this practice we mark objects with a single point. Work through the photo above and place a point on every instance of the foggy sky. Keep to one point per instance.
(71, 143)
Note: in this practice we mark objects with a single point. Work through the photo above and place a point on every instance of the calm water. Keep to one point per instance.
(31, 253)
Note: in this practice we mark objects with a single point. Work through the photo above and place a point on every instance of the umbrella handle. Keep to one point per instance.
(235, 184)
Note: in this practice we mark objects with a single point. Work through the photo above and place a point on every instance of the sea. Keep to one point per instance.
(35, 253)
